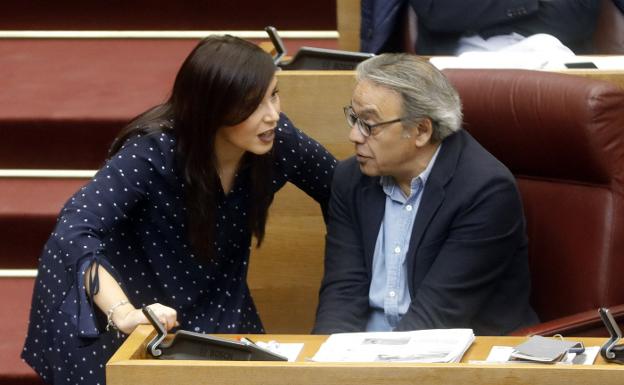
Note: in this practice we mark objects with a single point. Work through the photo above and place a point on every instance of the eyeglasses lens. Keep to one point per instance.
(352, 120)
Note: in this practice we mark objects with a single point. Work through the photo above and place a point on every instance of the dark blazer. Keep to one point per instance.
(467, 261)
(381, 25)
(442, 22)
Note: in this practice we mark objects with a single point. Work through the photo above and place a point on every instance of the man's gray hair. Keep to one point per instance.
(425, 91)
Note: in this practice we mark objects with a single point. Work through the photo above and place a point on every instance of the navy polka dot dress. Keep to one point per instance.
(131, 219)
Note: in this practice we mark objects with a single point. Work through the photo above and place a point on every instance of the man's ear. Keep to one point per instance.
(423, 133)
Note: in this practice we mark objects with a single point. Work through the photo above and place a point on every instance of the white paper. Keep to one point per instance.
(288, 350)
(586, 358)
(491, 60)
(499, 354)
(435, 345)
(519, 60)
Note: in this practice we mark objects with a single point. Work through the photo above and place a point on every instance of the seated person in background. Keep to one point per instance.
(425, 227)
(450, 27)
(168, 221)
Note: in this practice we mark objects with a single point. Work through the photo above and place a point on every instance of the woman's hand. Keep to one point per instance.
(126, 318)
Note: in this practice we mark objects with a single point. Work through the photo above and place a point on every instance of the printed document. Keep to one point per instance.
(434, 345)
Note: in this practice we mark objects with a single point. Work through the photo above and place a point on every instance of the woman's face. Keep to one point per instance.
(256, 133)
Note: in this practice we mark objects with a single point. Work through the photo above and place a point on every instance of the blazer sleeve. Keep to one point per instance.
(484, 238)
(470, 15)
(343, 299)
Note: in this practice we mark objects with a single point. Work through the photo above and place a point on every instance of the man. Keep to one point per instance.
(450, 27)
(425, 227)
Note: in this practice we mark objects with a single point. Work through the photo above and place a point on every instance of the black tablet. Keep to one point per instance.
(186, 345)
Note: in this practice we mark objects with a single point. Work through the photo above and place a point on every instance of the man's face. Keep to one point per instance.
(388, 150)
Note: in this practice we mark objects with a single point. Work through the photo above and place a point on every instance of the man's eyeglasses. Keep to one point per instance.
(364, 128)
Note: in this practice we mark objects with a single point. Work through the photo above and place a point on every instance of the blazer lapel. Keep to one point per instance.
(432, 198)
(373, 208)
(434, 193)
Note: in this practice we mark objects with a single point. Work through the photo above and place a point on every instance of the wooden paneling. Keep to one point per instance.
(348, 15)
(128, 366)
(314, 101)
(285, 273)
(614, 76)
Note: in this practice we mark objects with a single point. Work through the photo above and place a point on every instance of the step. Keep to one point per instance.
(64, 100)
(156, 15)
(28, 211)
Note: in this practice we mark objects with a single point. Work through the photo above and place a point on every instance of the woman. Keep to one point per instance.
(168, 221)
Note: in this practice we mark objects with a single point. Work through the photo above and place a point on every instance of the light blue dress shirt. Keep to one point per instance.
(389, 296)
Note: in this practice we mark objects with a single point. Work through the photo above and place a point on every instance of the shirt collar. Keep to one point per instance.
(389, 184)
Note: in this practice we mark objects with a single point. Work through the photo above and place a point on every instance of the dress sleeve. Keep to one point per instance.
(303, 161)
(93, 213)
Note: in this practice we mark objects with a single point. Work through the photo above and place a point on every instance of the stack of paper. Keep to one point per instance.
(435, 345)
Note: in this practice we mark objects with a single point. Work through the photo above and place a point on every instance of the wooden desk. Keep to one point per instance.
(130, 366)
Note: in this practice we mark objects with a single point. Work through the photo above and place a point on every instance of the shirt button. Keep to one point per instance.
(391, 294)
(197, 328)
(408, 207)
(397, 250)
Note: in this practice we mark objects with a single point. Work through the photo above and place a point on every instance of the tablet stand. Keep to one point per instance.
(610, 351)
(187, 345)
(311, 58)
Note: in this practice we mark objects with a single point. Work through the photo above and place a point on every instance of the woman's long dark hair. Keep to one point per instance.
(221, 83)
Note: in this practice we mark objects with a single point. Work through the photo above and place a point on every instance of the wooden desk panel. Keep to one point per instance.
(348, 20)
(129, 366)
(614, 76)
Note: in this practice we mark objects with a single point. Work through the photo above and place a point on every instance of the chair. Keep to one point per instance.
(562, 136)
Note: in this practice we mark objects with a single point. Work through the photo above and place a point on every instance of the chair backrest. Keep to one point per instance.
(562, 136)
(609, 35)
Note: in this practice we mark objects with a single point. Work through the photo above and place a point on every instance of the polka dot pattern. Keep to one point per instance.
(131, 219)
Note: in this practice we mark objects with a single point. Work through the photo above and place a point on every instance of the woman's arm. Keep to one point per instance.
(304, 162)
(88, 218)
(113, 302)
